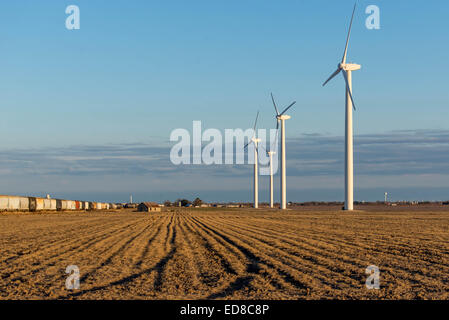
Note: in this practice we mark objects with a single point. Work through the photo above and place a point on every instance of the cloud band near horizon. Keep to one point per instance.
(398, 159)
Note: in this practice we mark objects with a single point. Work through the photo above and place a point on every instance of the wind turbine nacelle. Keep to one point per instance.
(283, 117)
(350, 66)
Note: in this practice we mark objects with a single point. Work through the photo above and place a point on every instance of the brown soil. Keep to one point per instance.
(226, 254)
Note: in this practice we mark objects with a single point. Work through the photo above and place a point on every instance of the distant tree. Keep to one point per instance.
(184, 202)
(197, 202)
(167, 203)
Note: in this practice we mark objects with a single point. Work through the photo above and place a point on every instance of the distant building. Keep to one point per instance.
(148, 207)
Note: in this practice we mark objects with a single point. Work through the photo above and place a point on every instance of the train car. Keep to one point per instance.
(39, 204)
(58, 205)
(70, 205)
(77, 205)
(47, 204)
(52, 204)
(24, 204)
(32, 204)
(14, 204)
(4, 200)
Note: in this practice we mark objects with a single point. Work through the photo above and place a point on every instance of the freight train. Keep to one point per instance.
(17, 203)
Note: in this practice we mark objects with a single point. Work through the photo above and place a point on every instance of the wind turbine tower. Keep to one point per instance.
(255, 141)
(270, 154)
(281, 117)
(346, 69)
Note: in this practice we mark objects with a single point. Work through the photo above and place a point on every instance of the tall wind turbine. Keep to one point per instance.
(255, 141)
(281, 117)
(346, 69)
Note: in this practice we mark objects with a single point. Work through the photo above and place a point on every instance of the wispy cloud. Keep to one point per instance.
(393, 153)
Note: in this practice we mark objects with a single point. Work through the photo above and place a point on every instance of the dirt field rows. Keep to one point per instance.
(225, 254)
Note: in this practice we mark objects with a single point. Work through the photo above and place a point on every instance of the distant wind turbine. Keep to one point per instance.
(281, 117)
(255, 141)
(270, 155)
(346, 69)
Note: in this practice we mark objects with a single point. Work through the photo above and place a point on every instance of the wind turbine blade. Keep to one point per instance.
(348, 89)
(274, 104)
(332, 75)
(258, 155)
(246, 145)
(277, 125)
(288, 108)
(343, 60)
(255, 122)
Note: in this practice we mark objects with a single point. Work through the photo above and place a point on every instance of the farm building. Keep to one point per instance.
(148, 207)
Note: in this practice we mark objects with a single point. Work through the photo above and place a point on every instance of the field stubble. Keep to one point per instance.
(226, 254)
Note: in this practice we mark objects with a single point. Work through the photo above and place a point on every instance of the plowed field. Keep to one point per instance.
(225, 254)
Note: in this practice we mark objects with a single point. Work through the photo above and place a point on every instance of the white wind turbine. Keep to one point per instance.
(281, 117)
(255, 141)
(270, 155)
(347, 69)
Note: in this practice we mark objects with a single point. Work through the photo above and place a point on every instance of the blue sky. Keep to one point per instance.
(136, 70)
